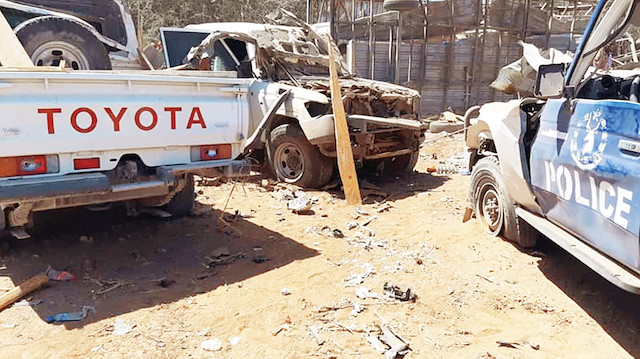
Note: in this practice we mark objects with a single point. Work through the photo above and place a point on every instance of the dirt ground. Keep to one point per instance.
(156, 294)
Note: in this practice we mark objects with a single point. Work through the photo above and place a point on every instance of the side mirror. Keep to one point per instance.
(550, 81)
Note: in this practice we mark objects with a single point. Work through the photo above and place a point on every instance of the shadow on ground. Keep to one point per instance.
(139, 253)
(617, 311)
(394, 187)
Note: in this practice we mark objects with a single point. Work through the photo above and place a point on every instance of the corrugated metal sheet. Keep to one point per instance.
(448, 82)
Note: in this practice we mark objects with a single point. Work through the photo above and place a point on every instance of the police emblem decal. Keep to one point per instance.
(589, 140)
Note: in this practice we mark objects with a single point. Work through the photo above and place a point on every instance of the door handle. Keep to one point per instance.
(630, 146)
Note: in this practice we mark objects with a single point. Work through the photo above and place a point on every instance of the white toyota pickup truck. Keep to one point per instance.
(91, 138)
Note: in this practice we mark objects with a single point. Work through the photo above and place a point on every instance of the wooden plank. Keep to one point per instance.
(23, 289)
(12, 54)
(346, 166)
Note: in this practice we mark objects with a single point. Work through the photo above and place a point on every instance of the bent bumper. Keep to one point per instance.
(99, 184)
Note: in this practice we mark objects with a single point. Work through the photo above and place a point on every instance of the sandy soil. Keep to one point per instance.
(154, 276)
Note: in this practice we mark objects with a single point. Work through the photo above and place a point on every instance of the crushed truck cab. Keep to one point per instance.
(298, 140)
(567, 162)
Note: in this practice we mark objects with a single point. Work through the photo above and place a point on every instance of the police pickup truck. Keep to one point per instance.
(566, 164)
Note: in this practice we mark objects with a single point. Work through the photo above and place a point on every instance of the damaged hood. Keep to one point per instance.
(370, 97)
(283, 51)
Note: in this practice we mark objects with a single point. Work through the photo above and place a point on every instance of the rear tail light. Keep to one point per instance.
(210, 152)
(86, 163)
(28, 165)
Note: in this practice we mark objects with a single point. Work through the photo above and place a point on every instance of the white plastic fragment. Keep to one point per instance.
(120, 327)
(211, 345)
(364, 293)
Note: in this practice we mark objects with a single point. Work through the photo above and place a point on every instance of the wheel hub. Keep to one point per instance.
(53, 52)
(289, 161)
(491, 208)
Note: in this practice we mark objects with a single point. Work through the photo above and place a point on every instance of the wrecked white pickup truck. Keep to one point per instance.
(566, 163)
(298, 141)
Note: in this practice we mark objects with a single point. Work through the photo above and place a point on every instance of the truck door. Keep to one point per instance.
(585, 172)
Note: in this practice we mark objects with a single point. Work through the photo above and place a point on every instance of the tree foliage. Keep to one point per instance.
(150, 15)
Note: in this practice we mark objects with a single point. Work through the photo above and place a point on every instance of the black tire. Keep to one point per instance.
(48, 39)
(294, 160)
(494, 207)
(400, 5)
(183, 201)
(443, 126)
(402, 164)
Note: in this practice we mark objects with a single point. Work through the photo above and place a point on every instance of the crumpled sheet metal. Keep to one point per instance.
(299, 45)
(520, 77)
(366, 97)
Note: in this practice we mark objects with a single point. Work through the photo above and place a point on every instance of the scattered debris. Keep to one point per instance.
(362, 211)
(485, 355)
(120, 327)
(260, 259)
(301, 203)
(364, 293)
(314, 332)
(232, 218)
(355, 279)
(485, 278)
(204, 332)
(377, 344)
(285, 291)
(517, 345)
(366, 223)
(107, 285)
(281, 328)
(25, 303)
(234, 340)
(220, 258)
(402, 293)
(357, 309)
(71, 317)
(212, 345)
(60, 276)
(398, 347)
(351, 225)
(513, 345)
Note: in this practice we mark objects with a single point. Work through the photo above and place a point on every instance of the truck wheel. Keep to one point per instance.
(49, 40)
(494, 207)
(294, 160)
(182, 202)
(401, 164)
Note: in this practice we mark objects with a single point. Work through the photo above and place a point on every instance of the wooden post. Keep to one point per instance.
(346, 166)
(372, 37)
(12, 54)
(23, 289)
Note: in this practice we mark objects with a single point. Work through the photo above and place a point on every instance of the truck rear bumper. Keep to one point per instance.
(99, 186)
